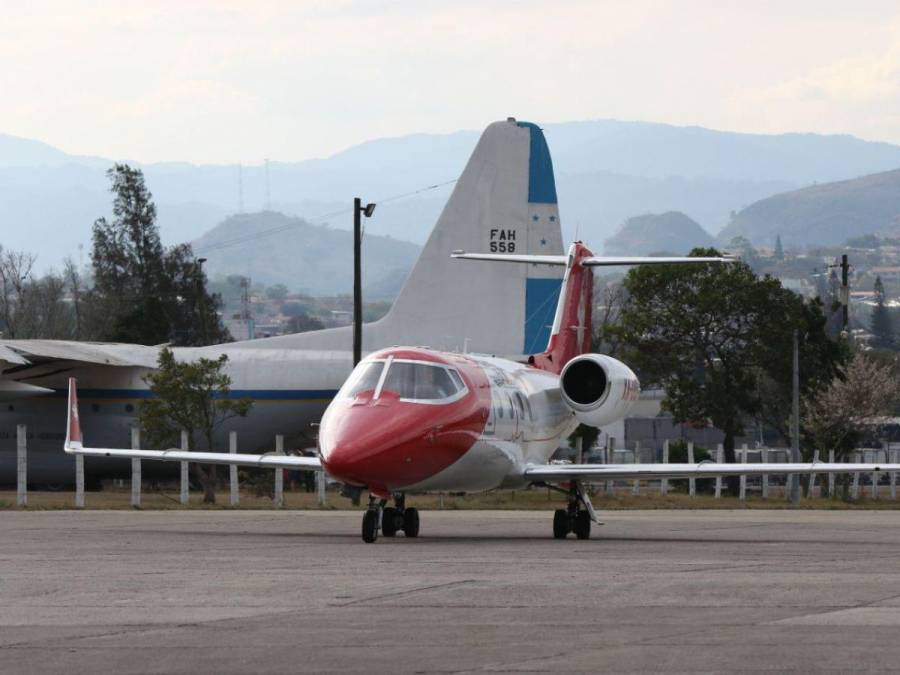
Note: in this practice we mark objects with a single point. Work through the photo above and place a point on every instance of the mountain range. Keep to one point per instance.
(312, 259)
(607, 171)
(822, 215)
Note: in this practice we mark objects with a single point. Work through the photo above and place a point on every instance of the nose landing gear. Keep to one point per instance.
(389, 520)
(573, 518)
(371, 522)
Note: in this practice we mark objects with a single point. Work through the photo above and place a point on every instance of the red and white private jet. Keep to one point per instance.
(412, 420)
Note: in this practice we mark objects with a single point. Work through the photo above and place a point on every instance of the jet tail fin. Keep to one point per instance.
(505, 202)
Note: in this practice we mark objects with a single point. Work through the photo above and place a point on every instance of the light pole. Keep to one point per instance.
(358, 212)
(795, 422)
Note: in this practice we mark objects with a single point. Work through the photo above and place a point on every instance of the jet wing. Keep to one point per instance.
(74, 446)
(270, 461)
(550, 473)
(35, 352)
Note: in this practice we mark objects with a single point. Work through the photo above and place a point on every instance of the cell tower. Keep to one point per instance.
(268, 193)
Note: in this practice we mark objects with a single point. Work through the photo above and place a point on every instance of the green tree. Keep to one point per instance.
(303, 323)
(191, 396)
(127, 257)
(191, 309)
(143, 292)
(779, 249)
(821, 360)
(277, 292)
(881, 325)
(709, 333)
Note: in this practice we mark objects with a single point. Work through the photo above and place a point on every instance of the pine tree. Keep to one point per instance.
(144, 293)
(779, 249)
(881, 325)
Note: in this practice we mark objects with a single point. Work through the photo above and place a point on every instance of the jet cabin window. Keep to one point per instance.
(364, 378)
(417, 381)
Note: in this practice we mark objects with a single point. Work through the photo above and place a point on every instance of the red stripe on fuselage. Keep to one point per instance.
(387, 443)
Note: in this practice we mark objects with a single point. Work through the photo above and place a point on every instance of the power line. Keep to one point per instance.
(281, 228)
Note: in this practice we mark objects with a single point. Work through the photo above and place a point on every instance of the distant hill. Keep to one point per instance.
(313, 259)
(25, 152)
(607, 171)
(826, 214)
(670, 232)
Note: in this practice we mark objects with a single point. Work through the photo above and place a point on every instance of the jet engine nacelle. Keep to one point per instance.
(598, 389)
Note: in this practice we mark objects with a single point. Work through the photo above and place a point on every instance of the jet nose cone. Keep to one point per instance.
(340, 459)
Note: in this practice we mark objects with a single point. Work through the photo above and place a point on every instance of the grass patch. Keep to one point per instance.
(533, 499)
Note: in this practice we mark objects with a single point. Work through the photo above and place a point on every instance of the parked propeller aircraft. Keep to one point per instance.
(504, 200)
(411, 420)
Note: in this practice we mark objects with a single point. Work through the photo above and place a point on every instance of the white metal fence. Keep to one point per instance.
(873, 485)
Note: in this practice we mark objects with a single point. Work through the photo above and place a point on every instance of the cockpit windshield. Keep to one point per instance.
(416, 381)
(364, 377)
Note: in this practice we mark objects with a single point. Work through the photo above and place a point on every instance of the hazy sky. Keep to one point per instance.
(221, 81)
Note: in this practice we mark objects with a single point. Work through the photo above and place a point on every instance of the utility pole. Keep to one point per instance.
(358, 212)
(240, 188)
(845, 294)
(795, 423)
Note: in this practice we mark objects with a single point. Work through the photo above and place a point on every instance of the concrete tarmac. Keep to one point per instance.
(284, 592)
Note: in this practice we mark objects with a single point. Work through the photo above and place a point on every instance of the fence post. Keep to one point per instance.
(235, 496)
(320, 484)
(185, 485)
(875, 477)
(692, 483)
(812, 478)
(135, 469)
(610, 456)
(279, 474)
(788, 479)
(720, 454)
(764, 458)
(21, 465)
(636, 487)
(743, 482)
(892, 457)
(664, 483)
(855, 487)
(831, 475)
(79, 481)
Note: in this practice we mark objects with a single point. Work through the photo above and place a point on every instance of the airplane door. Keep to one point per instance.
(514, 416)
(491, 422)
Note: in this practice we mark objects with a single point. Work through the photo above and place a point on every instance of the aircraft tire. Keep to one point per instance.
(389, 522)
(583, 525)
(411, 522)
(560, 524)
(370, 526)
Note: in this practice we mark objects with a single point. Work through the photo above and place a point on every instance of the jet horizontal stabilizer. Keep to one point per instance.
(593, 261)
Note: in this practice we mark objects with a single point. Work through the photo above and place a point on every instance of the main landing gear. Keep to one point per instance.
(389, 520)
(573, 518)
